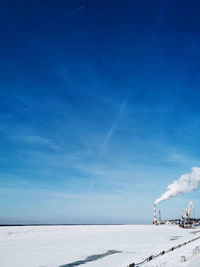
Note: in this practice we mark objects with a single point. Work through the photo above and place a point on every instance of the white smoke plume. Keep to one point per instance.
(186, 183)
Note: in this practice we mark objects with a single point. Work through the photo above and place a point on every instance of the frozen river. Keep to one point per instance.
(95, 245)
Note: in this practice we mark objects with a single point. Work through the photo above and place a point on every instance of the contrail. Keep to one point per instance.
(113, 126)
(108, 137)
(67, 15)
(186, 183)
(161, 14)
(59, 20)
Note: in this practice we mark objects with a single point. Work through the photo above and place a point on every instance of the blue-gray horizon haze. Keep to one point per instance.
(99, 109)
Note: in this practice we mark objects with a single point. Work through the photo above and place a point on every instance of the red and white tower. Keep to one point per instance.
(160, 217)
(154, 214)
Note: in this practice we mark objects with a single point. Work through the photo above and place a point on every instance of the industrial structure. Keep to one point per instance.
(186, 221)
(154, 215)
(155, 222)
(159, 221)
(187, 212)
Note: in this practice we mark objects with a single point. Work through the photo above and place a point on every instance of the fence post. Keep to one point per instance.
(183, 258)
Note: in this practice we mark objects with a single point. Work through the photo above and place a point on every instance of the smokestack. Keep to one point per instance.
(160, 217)
(154, 215)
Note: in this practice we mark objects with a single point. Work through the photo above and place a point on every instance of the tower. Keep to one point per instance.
(160, 217)
(154, 214)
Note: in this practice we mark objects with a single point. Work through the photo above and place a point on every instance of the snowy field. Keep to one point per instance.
(55, 246)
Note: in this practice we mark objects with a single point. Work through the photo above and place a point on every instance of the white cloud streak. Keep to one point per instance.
(68, 15)
(39, 140)
(114, 125)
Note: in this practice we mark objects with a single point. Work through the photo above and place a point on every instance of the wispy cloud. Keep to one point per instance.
(39, 140)
(14, 183)
(182, 159)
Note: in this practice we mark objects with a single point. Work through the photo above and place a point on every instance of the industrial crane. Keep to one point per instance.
(187, 211)
(186, 221)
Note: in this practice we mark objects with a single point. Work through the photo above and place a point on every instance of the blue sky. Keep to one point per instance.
(99, 109)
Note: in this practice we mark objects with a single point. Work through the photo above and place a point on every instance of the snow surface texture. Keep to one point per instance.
(118, 245)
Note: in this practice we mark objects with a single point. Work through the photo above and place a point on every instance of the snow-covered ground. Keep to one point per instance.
(54, 246)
